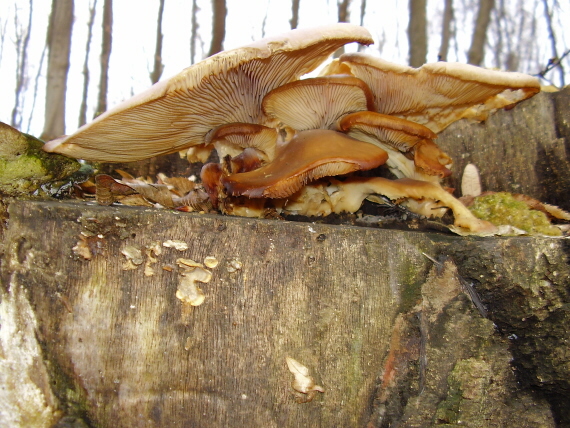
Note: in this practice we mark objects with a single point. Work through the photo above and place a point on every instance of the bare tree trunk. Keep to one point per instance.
(36, 85)
(105, 56)
(477, 49)
(362, 14)
(83, 108)
(417, 33)
(194, 32)
(446, 30)
(264, 22)
(22, 42)
(158, 65)
(343, 16)
(3, 27)
(548, 15)
(294, 21)
(218, 26)
(59, 45)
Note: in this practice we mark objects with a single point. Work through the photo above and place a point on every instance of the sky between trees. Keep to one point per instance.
(521, 35)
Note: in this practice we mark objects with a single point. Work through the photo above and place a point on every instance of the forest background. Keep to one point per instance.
(63, 63)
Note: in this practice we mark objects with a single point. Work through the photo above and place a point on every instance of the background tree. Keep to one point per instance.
(219, 13)
(417, 33)
(59, 45)
(83, 108)
(158, 65)
(22, 40)
(552, 36)
(194, 31)
(294, 21)
(446, 30)
(106, 45)
(477, 49)
(343, 7)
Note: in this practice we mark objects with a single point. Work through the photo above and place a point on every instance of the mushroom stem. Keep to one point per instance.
(347, 196)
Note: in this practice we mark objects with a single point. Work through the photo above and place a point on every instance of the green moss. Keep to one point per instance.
(502, 208)
(25, 167)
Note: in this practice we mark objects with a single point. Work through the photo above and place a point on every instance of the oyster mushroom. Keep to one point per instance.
(309, 155)
(436, 94)
(334, 196)
(232, 138)
(316, 103)
(177, 113)
(411, 150)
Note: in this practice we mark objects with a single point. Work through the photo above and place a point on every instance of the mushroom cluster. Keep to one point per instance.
(294, 145)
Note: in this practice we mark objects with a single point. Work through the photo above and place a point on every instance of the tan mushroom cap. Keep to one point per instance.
(436, 94)
(316, 103)
(309, 155)
(232, 138)
(409, 138)
(228, 87)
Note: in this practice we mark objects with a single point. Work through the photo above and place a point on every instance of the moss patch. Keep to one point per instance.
(502, 208)
(25, 167)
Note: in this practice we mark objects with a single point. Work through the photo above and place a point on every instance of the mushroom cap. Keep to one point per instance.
(309, 155)
(410, 138)
(436, 94)
(317, 103)
(228, 87)
(399, 133)
(232, 138)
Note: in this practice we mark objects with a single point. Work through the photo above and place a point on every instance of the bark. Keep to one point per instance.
(219, 13)
(22, 42)
(124, 351)
(446, 30)
(59, 44)
(417, 33)
(294, 21)
(158, 65)
(477, 49)
(106, 46)
(523, 150)
(83, 108)
(390, 342)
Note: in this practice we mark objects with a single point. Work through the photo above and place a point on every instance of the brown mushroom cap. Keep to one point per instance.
(309, 155)
(228, 87)
(410, 138)
(317, 103)
(436, 94)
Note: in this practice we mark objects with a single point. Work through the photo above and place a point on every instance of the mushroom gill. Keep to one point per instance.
(177, 113)
(309, 155)
(316, 103)
(436, 94)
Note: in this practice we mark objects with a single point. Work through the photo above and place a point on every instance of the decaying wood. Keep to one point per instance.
(92, 332)
(522, 150)
(123, 350)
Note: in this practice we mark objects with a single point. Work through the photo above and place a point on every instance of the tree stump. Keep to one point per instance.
(95, 330)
